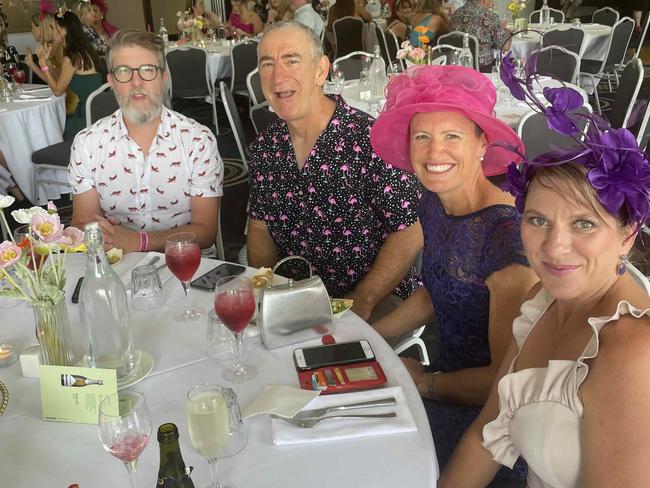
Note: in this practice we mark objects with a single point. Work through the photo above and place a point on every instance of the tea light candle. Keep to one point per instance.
(7, 354)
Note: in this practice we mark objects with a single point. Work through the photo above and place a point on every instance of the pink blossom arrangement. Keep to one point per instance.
(415, 55)
(33, 268)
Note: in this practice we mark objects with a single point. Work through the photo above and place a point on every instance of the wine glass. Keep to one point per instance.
(183, 256)
(208, 421)
(20, 76)
(11, 68)
(125, 427)
(234, 304)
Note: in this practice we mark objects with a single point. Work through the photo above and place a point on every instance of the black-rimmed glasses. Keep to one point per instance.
(124, 74)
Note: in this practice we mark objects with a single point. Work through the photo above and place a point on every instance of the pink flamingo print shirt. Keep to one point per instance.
(340, 208)
(152, 192)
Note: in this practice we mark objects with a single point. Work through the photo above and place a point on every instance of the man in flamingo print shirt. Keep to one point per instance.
(317, 189)
(145, 172)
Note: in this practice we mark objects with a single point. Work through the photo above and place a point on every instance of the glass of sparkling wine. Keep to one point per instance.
(125, 427)
(183, 256)
(234, 304)
(208, 420)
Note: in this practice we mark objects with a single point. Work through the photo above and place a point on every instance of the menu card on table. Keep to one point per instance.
(72, 394)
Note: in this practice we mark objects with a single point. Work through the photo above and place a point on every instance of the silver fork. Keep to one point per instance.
(319, 412)
(309, 423)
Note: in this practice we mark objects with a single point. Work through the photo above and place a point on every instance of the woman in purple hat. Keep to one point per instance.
(572, 394)
(438, 122)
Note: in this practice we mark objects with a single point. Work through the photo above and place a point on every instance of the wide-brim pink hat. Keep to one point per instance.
(442, 89)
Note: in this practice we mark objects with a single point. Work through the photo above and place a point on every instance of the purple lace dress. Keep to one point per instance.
(460, 252)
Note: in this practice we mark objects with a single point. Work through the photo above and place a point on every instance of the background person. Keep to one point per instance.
(397, 23)
(86, 14)
(429, 15)
(243, 21)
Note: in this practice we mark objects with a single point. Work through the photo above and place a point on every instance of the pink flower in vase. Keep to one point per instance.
(71, 237)
(48, 228)
(9, 254)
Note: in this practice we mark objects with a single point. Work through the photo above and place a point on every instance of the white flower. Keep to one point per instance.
(25, 215)
(406, 44)
(6, 201)
(178, 14)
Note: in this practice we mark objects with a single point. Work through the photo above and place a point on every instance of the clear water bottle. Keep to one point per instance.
(377, 75)
(162, 32)
(104, 313)
(465, 57)
(545, 14)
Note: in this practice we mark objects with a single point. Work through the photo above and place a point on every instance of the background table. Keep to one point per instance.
(38, 453)
(26, 127)
(594, 45)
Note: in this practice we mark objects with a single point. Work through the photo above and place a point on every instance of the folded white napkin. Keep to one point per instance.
(33, 99)
(3, 109)
(132, 260)
(333, 430)
(31, 89)
(29, 96)
(282, 400)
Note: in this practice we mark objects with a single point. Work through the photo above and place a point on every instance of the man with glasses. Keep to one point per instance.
(145, 172)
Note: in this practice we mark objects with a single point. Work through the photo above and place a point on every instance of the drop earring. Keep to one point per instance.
(622, 267)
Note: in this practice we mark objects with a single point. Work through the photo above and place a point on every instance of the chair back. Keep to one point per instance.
(100, 103)
(262, 117)
(235, 122)
(455, 39)
(254, 85)
(446, 51)
(627, 93)
(535, 16)
(348, 35)
(381, 40)
(351, 64)
(392, 46)
(621, 35)
(605, 16)
(644, 31)
(243, 60)
(538, 138)
(558, 63)
(570, 39)
(643, 134)
(183, 64)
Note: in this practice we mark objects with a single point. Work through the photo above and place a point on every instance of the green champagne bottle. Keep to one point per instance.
(172, 472)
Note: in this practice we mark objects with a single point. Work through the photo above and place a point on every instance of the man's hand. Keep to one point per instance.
(117, 236)
(360, 306)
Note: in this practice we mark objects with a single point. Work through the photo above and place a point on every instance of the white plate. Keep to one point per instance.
(146, 365)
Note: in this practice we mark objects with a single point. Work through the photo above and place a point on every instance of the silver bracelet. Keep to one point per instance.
(432, 376)
(4, 392)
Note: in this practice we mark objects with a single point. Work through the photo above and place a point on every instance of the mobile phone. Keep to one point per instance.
(209, 280)
(332, 354)
(77, 290)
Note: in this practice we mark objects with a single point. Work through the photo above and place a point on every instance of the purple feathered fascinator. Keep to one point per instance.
(617, 169)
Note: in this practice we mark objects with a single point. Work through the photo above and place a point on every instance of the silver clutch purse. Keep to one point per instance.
(294, 312)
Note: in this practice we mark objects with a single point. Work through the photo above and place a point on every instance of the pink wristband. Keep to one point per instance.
(144, 241)
(44, 69)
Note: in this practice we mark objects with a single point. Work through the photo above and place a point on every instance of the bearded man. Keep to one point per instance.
(145, 172)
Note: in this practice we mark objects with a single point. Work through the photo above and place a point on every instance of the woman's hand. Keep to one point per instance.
(29, 59)
(418, 374)
(43, 52)
(272, 17)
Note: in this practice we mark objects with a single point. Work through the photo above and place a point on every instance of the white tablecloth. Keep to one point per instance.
(594, 45)
(26, 127)
(38, 453)
(218, 62)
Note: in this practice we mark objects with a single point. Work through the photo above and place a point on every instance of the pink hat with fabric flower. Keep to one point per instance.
(442, 89)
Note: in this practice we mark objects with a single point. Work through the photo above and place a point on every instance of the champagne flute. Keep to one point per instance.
(125, 427)
(234, 304)
(208, 421)
(183, 256)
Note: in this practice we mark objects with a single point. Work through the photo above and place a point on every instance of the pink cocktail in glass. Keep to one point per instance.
(183, 256)
(20, 76)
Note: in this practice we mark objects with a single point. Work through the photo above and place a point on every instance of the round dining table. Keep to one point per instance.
(30, 122)
(34, 452)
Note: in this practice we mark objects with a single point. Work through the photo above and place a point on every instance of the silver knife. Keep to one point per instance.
(318, 412)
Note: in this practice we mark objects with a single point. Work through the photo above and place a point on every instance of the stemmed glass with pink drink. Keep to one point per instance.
(125, 427)
(183, 256)
(234, 304)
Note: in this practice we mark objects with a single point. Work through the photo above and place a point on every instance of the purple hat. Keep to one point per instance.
(442, 89)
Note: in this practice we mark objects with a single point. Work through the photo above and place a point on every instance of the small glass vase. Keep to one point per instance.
(53, 332)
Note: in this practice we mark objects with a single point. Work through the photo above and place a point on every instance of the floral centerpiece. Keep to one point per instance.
(33, 270)
(191, 25)
(515, 7)
(415, 55)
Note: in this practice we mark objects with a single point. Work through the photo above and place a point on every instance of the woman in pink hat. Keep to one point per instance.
(438, 122)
